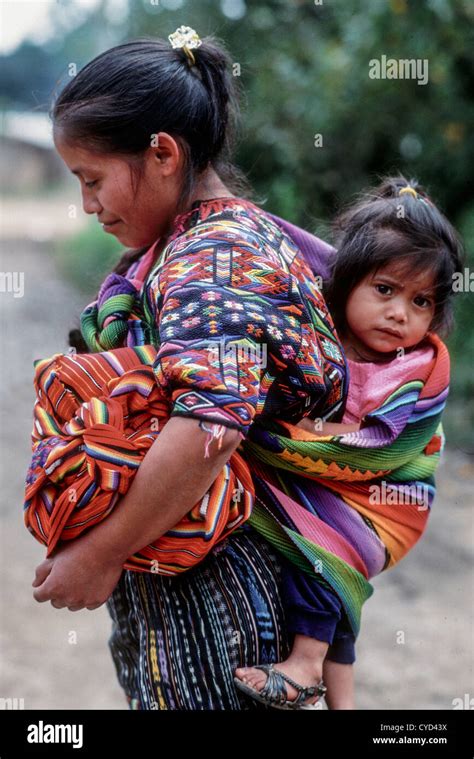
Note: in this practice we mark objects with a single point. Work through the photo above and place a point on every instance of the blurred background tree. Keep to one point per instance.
(304, 71)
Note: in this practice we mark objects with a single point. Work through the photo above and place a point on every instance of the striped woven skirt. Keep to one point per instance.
(176, 641)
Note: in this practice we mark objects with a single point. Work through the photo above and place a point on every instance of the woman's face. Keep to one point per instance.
(391, 308)
(136, 218)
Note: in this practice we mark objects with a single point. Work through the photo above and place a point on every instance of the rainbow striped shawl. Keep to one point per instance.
(349, 506)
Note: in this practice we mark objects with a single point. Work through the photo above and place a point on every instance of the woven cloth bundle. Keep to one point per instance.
(95, 417)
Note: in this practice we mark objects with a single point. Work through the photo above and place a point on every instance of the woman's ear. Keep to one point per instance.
(166, 152)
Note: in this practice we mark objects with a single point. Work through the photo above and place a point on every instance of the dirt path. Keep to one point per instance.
(427, 600)
(39, 663)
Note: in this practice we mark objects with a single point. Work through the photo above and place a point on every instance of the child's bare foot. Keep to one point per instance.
(256, 678)
(304, 666)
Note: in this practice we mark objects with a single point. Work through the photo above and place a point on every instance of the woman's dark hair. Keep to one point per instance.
(119, 100)
(383, 226)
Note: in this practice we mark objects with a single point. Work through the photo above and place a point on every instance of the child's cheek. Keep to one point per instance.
(356, 311)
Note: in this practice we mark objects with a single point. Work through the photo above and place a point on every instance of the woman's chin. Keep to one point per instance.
(123, 238)
(129, 241)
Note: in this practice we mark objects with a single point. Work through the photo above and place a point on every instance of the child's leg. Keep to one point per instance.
(338, 669)
(304, 665)
(312, 614)
(339, 681)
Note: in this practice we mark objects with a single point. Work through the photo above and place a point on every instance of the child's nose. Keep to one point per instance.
(397, 311)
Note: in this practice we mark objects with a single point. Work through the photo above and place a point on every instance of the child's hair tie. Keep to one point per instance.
(187, 39)
(411, 190)
(416, 195)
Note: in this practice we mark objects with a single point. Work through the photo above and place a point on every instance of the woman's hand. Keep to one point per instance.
(77, 576)
(83, 572)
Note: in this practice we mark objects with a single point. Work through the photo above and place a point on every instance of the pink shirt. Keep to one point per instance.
(370, 383)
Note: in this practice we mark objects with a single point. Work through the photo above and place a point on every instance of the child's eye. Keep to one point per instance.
(383, 289)
(425, 301)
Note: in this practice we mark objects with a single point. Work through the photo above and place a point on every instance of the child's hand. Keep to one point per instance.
(327, 428)
(307, 424)
(76, 576)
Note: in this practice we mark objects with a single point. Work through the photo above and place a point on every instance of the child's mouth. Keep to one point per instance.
(390, 332)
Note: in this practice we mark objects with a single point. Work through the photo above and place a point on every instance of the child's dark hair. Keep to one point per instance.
(119, 100)
(384, 226)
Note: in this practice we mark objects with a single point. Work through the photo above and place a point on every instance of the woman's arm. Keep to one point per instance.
(172, 478)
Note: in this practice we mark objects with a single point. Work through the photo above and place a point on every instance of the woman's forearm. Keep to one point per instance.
(172, 477)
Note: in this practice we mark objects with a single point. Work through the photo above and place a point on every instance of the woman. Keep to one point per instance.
(147, 127)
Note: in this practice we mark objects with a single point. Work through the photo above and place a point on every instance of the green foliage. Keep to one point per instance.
(305, 71)
(87, 257)
(459, 424)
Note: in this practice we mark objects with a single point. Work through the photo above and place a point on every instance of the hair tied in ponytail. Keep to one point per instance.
(186, 39)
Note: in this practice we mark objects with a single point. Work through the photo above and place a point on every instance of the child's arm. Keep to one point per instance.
(328, 428)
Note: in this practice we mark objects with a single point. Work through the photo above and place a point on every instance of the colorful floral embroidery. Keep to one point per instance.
(235, 334)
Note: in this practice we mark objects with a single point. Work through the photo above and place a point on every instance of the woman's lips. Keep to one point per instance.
(108, 225)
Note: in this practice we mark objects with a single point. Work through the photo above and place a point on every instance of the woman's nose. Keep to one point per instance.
(90, 203)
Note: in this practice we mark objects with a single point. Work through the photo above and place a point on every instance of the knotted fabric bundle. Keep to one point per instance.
(95, 417)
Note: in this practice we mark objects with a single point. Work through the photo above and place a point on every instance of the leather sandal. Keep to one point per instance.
(274, 692)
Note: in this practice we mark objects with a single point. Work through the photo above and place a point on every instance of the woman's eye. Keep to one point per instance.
(383, 289)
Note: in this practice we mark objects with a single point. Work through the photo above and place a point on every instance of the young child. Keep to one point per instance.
(390, 284)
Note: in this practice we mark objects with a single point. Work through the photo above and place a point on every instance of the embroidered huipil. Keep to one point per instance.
(236, 314)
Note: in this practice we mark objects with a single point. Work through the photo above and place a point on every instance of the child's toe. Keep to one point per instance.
(256, 680)
(245, 676)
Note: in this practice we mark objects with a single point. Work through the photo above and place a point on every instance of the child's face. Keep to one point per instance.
(107, 190)
(391, 308)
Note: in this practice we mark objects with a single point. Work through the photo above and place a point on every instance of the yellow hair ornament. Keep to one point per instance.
(410, 190)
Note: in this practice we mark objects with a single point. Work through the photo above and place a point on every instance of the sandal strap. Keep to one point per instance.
(275, 689)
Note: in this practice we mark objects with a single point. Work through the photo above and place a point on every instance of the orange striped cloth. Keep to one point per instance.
(95, 417)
